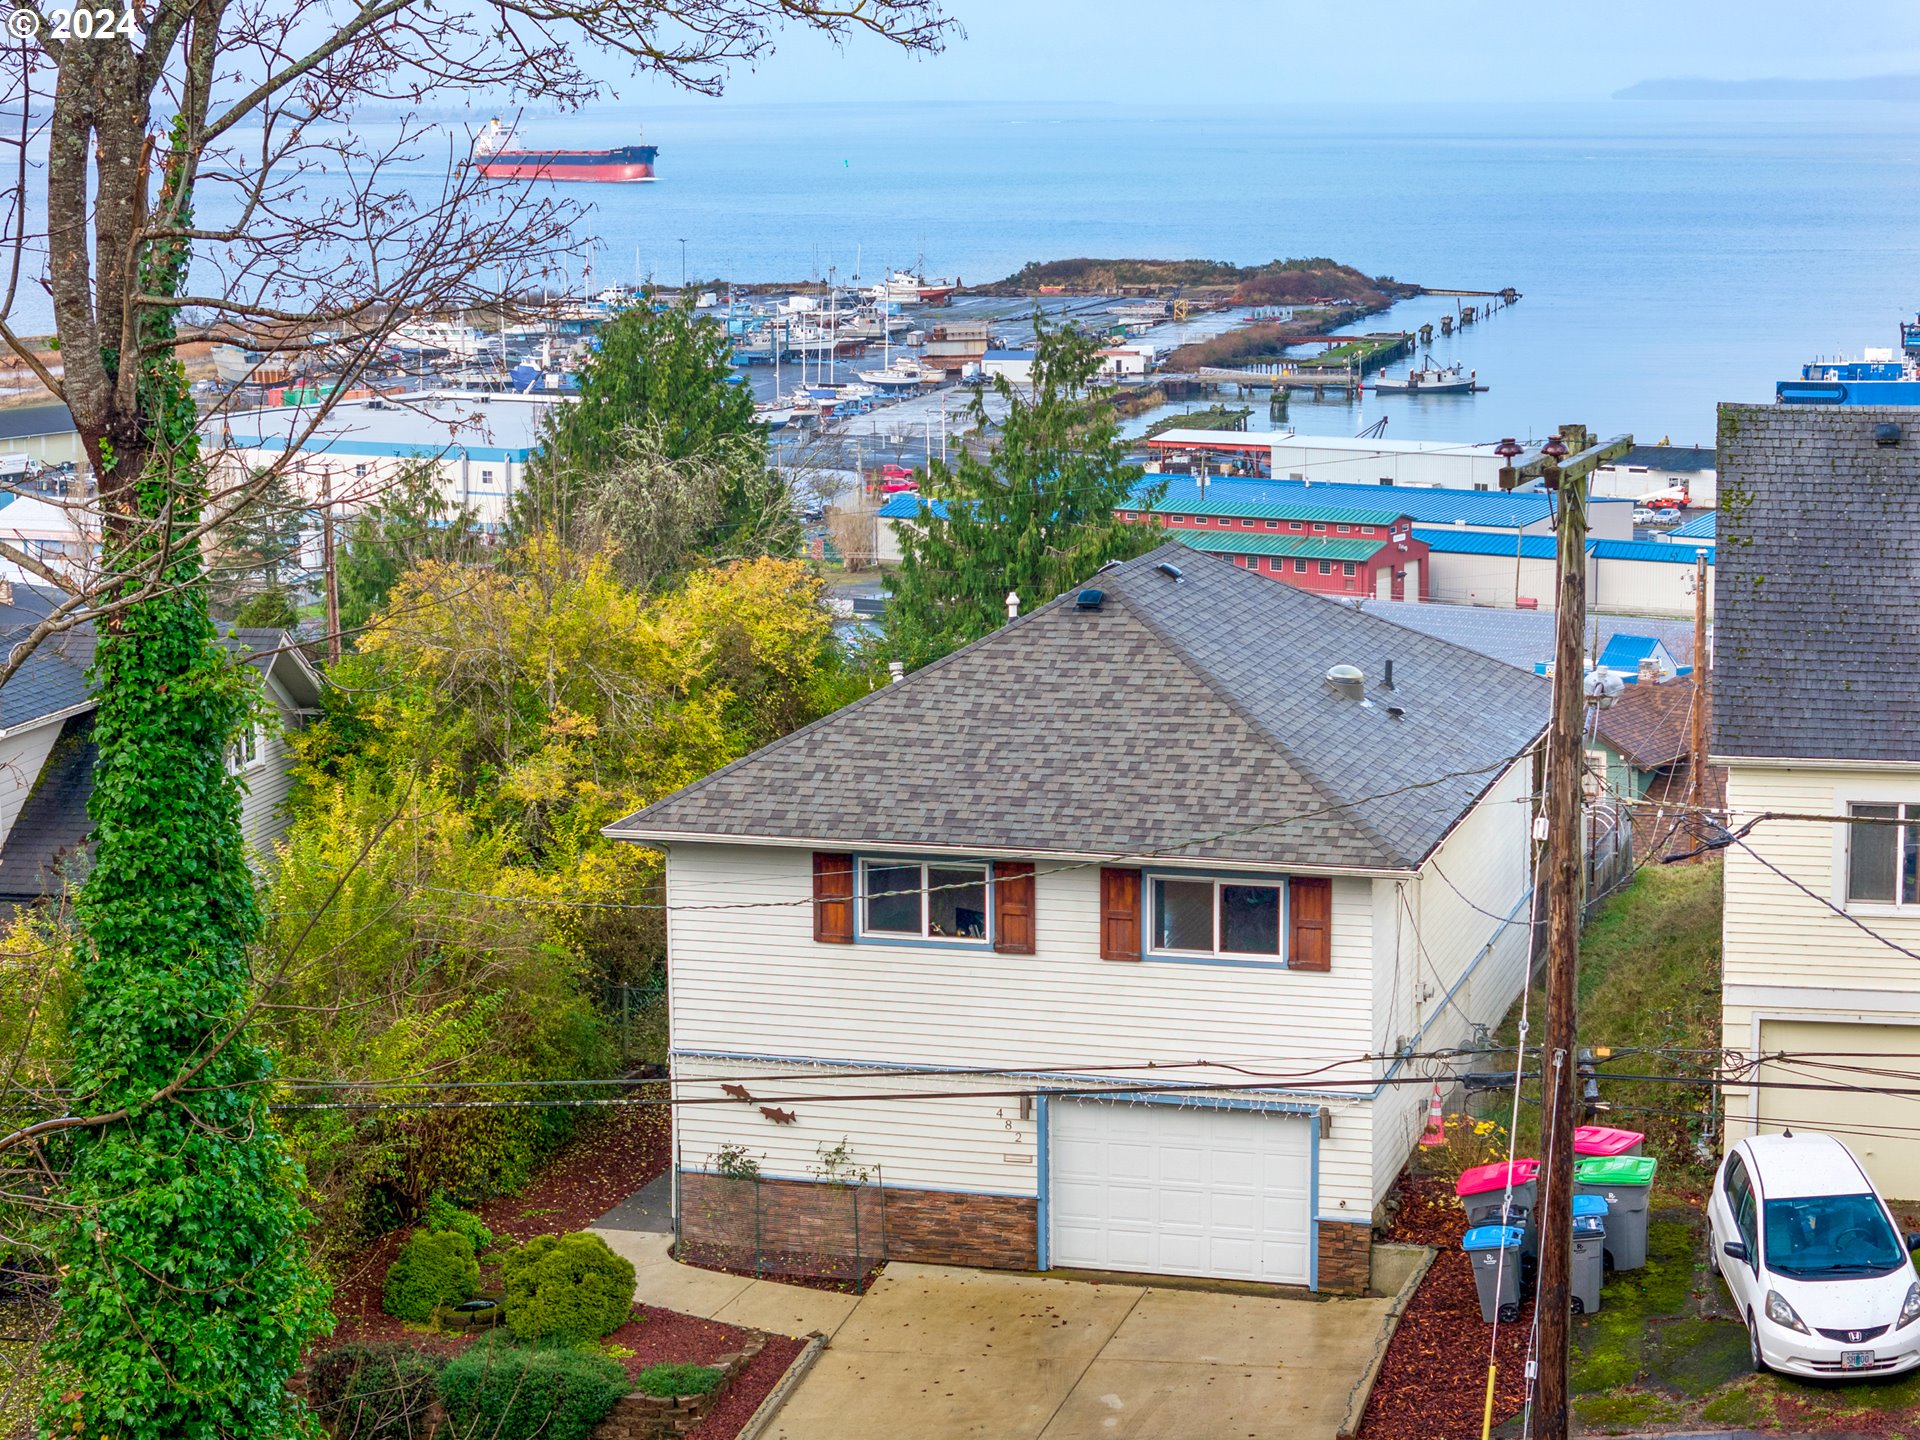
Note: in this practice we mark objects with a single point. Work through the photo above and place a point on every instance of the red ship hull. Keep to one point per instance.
(546, 170)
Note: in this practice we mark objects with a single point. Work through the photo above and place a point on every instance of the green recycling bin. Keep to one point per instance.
(1624, 1182)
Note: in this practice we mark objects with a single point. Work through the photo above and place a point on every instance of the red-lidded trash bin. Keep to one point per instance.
(1483, 1190)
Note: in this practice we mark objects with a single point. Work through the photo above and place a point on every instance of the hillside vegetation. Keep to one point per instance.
(1278, 282)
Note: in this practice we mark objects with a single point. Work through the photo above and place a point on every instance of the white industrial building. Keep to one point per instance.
(479, 442)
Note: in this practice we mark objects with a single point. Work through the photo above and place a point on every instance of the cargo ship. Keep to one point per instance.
(1880, 377)
(492, 158)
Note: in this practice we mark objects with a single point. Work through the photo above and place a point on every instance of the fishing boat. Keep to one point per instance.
(904, 287)
(1429, 379)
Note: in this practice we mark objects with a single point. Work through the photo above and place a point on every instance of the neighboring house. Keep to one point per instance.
(1817, 712)
(1148, 824)
(1642, 746)
(47, 752)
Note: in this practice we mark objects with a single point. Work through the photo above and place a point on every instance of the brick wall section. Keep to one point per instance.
(656, 1417)
(999, 1232)
(805, 1218)
(1346, 1259)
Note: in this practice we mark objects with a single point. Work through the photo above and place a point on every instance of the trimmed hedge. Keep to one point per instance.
(669, 1379)
(503, 1392)
(567, 1287)
(441, 1214)
(374, 1392)
(434, 1268)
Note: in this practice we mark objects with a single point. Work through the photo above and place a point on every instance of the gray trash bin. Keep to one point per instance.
(1624, 1182)
(1494, 1251)
(1589, 1271)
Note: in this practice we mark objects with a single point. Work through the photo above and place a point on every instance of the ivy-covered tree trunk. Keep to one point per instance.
(186, 1293)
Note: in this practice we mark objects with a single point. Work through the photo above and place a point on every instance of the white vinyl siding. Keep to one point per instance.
(752, 982)
(1790, 963)
(21, 757)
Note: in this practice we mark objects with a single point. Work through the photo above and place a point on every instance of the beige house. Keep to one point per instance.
(1817, 713)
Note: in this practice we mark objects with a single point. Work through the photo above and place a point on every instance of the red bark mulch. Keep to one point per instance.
(589, 1175)
(1433, 1382)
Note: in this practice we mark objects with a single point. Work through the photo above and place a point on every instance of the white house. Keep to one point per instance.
(1113, 941)
(1648, 470)
(47, 751)
(1816, 712)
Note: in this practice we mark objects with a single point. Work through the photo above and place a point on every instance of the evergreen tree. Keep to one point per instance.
(1037, 517)
(257, 552)
(668, 372)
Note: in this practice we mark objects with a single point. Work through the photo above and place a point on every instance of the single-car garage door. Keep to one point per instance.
(1173, 1190)
(1878, 1128)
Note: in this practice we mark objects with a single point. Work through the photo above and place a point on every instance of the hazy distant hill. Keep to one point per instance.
(1905, 88)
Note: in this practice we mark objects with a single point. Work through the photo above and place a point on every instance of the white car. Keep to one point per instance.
(1813, 1259)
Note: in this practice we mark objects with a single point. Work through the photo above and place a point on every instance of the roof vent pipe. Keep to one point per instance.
(1347, 682)
(1013, 604)
(897, 669)
(1386, 676)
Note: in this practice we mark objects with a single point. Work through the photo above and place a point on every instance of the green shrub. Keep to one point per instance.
(506, 1393)
(441, 1214)
(567, 1287)
(374, 1392)
(434, 1268)
(670, 1379)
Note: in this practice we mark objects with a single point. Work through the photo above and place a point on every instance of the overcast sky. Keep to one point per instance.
(1334, 51)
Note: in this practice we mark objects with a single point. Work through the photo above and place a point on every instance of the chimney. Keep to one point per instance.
(1649, 670)
(6, 592)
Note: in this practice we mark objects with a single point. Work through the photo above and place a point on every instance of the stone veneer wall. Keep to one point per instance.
(1346, 1258)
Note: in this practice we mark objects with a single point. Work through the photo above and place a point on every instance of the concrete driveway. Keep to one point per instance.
(939, 1353)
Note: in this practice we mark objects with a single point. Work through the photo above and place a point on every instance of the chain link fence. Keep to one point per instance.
(795, 1230)
(639, 1018)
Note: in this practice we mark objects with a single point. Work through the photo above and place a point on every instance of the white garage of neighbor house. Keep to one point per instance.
(1087, 940)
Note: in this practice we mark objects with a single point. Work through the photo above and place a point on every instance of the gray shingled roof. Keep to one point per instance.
(1817, 587)
(1523, 637)
(48, 841)
(53, 679)
(1189, 719)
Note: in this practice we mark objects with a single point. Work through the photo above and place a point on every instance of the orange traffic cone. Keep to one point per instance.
(1436, 1120)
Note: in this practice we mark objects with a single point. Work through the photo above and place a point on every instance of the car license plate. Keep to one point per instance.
(1856, 1359)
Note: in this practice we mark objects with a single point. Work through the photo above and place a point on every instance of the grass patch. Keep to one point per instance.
(1743, 1407)
(1649, 979)
(668, 1379)
(1625, 1410)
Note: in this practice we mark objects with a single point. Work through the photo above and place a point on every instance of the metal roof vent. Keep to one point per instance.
(1166, 568)
(1347, 682)
(1089, 599)
(1886, 433)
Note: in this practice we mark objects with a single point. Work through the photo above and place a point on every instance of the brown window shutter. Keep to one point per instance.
(1013, 907)
(1119, 914)
(832, 898)
(1309, 923)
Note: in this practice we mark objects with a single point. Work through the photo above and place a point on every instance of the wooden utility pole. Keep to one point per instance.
(330, 572)
(1562, 873)
(1697, 754)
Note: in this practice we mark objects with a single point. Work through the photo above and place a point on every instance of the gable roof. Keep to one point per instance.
(1185, 718)
(1701, 527)
(1696, 458)
(1818, 648)
(1650, 725)
(1624, 652)
(51, 682)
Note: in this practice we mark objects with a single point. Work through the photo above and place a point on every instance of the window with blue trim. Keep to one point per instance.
(1231, 918)
(907, 900)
